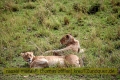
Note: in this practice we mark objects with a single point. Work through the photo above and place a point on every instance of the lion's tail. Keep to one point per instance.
(81, 60)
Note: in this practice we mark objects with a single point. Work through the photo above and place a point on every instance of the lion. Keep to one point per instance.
(71, 45)
(50, 61)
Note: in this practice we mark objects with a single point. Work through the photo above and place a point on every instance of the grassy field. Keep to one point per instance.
(38, 25)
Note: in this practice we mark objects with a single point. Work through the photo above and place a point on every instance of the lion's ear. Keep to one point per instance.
(67, 36)
(31, 53)
(22, 54)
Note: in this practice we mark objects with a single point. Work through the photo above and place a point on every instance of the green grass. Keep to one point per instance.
(38, 25)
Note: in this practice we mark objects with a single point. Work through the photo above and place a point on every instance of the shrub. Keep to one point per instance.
(118, 32)
(29, 5)
(49, 5)
(94, 8)
(55, 26)
(108, 48)
(62, 8)
(53, 10)
(11, 6)
(41, 33)
(115, 9)
(80, 19)
(4, 18)
(52, 23)
(118, 15)
(31, 0)
(42, 14)
(114, 59)
(115, 2)
(77, 7)
(112, 20)
(66, 21)
(111, 34)
(117, 44)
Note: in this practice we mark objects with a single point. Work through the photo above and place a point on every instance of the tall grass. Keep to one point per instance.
(36, 25)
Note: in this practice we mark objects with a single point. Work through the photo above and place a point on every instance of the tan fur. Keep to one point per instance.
(71, 45)
(49, 61)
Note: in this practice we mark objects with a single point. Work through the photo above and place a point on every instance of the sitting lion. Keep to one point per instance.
(49, 61)
(71, 45)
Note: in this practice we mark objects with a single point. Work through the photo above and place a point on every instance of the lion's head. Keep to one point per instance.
(27, 56)
(67, 39)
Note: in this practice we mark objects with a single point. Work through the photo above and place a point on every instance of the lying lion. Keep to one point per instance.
(71, 45)
(49, 61)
